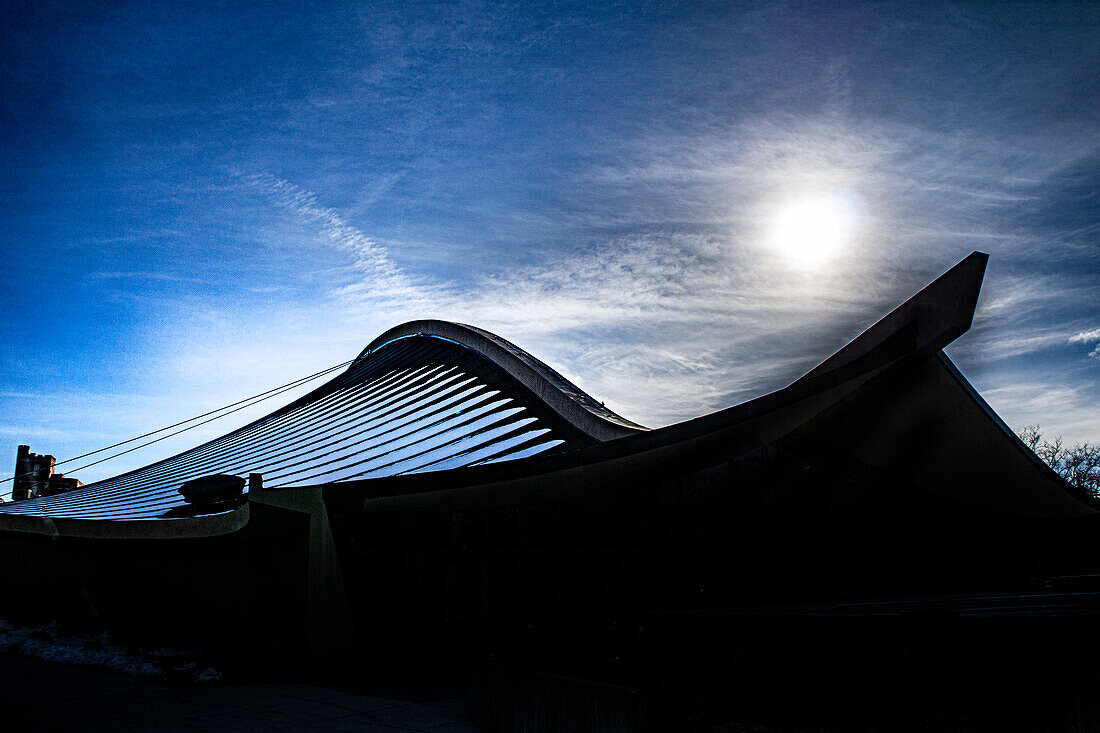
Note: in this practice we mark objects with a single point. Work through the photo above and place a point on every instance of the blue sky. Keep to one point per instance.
(200, 202)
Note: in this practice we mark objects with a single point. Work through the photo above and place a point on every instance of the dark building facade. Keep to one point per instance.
(34, 476)
(870, 545)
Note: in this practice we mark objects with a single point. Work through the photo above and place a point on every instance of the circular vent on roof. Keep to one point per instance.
(213, 489)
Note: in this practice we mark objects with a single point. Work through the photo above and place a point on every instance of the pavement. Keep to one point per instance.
(42, 696)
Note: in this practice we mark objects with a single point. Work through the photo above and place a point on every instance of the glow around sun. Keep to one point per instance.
(811, 230)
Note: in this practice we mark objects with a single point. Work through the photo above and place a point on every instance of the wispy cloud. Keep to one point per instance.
(667, 291)
(372, 261)
(147, 275)
(663, 325)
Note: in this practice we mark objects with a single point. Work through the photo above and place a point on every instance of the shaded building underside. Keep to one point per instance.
(869, 544)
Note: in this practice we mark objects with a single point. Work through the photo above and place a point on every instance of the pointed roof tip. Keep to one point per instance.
(977, 260)
(928, 321)
(956, 291)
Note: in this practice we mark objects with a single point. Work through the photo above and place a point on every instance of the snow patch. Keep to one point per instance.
(49, 644)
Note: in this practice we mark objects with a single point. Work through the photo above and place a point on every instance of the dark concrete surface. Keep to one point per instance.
(40, 696)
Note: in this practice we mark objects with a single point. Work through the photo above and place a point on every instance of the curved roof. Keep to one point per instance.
(462, 407)
(426, 396)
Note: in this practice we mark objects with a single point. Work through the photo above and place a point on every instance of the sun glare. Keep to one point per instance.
(811, 230)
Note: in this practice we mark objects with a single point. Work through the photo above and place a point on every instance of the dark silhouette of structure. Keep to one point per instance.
(34, 476)
(870, 544)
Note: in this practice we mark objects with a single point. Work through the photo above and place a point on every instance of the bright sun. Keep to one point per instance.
(812, 230)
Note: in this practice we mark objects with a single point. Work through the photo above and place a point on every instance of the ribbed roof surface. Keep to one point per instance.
(418, 403)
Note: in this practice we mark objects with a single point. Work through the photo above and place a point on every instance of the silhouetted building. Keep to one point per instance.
(34, 476)
(868, 546)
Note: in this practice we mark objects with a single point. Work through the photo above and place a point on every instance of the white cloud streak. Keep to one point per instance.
(1086, 337)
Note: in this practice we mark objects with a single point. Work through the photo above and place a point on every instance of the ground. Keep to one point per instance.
(40, 696)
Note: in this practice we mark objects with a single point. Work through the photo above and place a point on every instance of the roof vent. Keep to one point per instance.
(214, 489)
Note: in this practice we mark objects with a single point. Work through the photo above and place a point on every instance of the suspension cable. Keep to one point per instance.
(225, 410)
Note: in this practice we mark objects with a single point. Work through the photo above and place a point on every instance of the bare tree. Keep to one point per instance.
(1082, 467)
(1031, 436)
(1079, 465)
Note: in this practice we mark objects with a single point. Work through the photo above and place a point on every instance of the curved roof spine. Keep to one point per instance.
(557, 392)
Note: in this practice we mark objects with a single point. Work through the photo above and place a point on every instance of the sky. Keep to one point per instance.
(679, 206)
